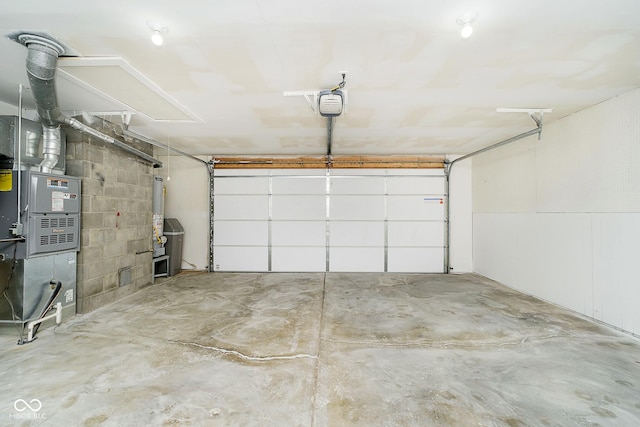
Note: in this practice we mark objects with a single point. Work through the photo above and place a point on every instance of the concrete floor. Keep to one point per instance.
(323, 350)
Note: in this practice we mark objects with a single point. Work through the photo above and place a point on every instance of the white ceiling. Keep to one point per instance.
(414, 85)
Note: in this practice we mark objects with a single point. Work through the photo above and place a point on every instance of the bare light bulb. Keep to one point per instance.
(465, 21)
(156, 38)
(466, 31)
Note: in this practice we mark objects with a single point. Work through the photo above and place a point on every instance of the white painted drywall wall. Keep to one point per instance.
(187, 199)
(559, 218)
(460, 211)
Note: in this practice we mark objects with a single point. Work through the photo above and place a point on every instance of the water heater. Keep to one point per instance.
(158, 217)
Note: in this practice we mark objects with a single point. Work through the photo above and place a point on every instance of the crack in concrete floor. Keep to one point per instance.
(244, 356)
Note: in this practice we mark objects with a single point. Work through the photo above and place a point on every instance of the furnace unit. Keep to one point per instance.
(30, 269)
(39, 226)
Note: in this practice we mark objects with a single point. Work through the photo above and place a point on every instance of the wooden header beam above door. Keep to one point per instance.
(332, 162)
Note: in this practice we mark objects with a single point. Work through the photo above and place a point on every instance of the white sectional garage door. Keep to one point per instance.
(363, 220)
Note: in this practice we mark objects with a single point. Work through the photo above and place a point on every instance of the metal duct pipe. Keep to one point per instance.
(42, 57)
(51, 143)
(150, 141)
(41, 69)
(79, 126)
(31, 144)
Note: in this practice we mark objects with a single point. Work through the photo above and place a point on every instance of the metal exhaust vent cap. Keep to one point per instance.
(31, 39)
(44, 39)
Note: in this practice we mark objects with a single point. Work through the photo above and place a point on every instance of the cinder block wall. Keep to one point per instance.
(116, 220)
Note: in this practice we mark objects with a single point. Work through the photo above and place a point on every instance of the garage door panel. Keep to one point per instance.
(415, 185)
(416, 233)
(241, 207)
(415, 208)
(356, 259)
(241, 258)
(241, 233)
(299, 233)
(295, 185)
(242, 185)
(357, 208)
(240, 173)
(357, 185)
(298, 258)
(299, 207)
(415, 260)
(356, 233)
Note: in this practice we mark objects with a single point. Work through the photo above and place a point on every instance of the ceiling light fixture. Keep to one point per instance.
(158, 30)
(465, 21)
(156, 38)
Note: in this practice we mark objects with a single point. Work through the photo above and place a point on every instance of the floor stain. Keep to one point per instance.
(603, 412)
(583, 396)
(70, 401)
(95, 421)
